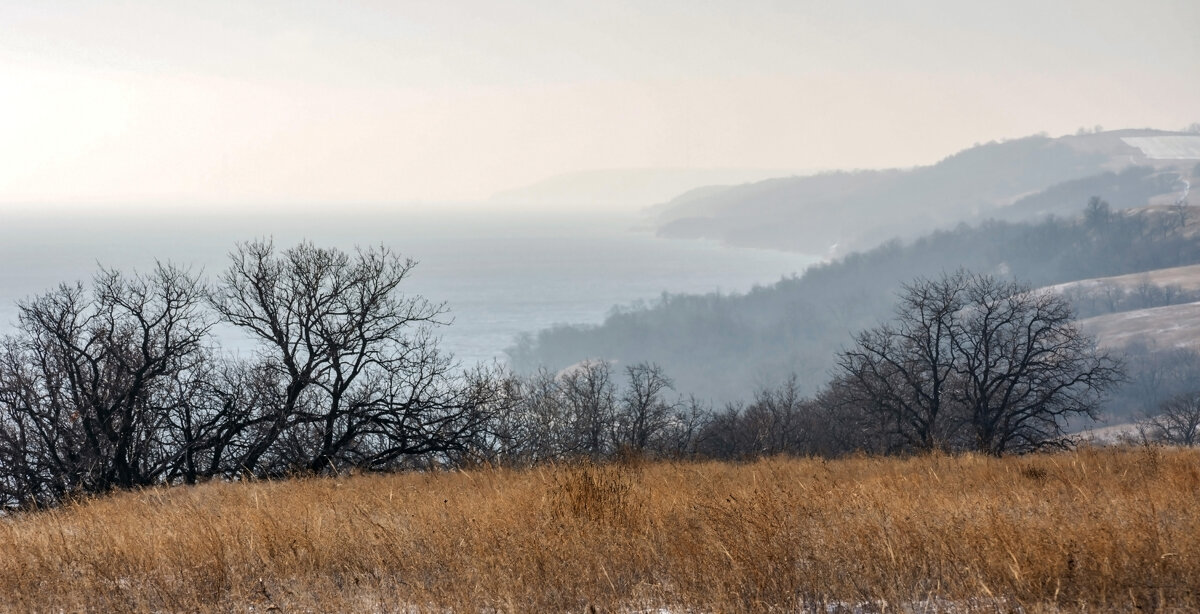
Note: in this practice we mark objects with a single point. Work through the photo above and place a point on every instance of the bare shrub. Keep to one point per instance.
(1176, 421)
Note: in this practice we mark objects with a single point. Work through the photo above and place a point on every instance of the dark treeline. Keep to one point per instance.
(967, 362)
(1134, 184)
(721, 347)
(121, 384)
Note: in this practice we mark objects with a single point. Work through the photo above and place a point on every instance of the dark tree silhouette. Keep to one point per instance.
(903, 371)
(95, 383)
(644, 412)
(1025, 367)
(972, 361)
(1176, 421)
(358, 377)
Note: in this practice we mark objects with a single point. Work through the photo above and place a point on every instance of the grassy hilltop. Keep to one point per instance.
(1091, 530)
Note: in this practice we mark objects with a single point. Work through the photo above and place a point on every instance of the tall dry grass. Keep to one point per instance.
(1089, 530)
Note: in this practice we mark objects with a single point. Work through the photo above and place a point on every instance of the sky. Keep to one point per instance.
(260, 103)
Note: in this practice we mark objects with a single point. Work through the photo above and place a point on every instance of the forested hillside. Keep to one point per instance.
(721, 347)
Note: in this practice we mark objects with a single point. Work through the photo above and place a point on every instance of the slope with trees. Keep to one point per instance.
(722, 347)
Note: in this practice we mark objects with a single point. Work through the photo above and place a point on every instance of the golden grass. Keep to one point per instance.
(1082, 531)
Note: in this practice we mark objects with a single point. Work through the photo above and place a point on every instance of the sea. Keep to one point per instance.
(500, 271)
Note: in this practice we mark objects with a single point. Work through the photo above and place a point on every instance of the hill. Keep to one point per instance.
(1173, 326)
(1022, 179)
(1152, 319)
(1185, 278)
(1158, 309)
(723, 347)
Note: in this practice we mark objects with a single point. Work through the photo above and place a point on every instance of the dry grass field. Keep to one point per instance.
(1093, 530)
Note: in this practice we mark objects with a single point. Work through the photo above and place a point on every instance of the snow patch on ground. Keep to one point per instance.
(1186, 277)
(1167, 147)
(1163, 327)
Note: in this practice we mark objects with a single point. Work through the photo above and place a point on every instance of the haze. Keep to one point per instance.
(288, 102)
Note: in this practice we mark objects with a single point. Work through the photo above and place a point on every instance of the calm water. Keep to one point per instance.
(501, 272)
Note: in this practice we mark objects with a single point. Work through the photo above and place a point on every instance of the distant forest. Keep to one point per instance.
(722, 347)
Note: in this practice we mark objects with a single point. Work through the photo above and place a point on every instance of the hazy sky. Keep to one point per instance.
(261, 102)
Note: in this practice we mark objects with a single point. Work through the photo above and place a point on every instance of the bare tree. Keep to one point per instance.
(973, 361)
(1025, 367)
(1113, 294)
(540, 424)
(91, 381)
(683, 431)
(843, 424)
(1097, 215)
(582, 412)
(221, 414)
(359, 378)
(1176, 421)
(644, 412)
(1180, 212)
(781, 420)
(902, 371)
(589, 395)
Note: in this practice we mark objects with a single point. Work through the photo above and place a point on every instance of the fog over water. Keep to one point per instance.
(500, 272)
